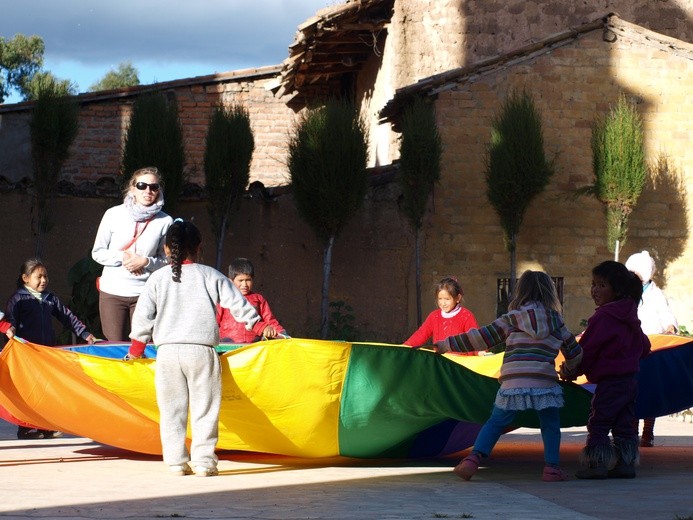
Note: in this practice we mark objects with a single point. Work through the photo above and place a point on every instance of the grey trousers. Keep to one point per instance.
(188, 377)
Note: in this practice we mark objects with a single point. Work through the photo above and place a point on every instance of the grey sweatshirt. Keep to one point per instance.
(184, 313)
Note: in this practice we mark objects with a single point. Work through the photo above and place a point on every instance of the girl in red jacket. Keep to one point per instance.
(448, 320)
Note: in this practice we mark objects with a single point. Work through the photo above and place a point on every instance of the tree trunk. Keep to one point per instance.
(38, 251)
(325, 304)
(220, 242)
(417, 263)
(42, 215)
(223, 225)
(513, 265)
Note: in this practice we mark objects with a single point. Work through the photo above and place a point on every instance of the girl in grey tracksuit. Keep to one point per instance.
(177, 311)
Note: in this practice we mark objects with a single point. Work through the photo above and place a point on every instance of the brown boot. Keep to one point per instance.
(595, 462)
(627, 457)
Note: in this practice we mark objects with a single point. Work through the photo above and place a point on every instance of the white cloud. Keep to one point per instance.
(158, 35)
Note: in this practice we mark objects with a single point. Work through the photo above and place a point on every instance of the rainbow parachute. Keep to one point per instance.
(305, 398)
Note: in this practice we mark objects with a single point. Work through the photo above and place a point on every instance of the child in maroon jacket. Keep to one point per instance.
(613, 345)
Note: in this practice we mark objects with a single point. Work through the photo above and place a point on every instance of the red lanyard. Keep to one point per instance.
(137, 234)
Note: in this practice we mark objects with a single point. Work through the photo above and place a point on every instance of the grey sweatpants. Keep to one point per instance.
(188, 376)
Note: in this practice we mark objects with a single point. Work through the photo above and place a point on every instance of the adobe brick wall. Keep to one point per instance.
(96, 152)
(572, 85)
(270, 119)
(431, 36)
(371, 258)
(427, 37)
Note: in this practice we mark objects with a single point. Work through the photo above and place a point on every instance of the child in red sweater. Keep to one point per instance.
(449, 319)
(242, 273)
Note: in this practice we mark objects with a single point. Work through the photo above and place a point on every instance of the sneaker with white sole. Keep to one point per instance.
(201, 471)
(180, 470)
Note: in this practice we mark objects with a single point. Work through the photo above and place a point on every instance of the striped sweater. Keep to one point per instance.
(533, 337)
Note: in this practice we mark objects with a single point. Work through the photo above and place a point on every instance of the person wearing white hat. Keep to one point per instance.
(655, 317)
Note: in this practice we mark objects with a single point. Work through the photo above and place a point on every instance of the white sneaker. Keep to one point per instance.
(180, 470)
(201, 471)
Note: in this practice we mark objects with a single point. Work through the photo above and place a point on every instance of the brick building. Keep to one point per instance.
(574, 77)
(466, 55)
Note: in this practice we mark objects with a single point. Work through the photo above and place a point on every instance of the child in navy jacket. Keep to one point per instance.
(30, 311)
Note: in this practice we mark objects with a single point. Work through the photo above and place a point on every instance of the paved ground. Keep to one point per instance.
(75, 478)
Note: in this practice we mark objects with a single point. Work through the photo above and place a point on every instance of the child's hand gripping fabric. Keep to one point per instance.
(136, 350)
(566, 373)
(269, 332)
(6, 327)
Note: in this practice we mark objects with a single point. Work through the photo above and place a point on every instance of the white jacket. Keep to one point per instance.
(116, 231)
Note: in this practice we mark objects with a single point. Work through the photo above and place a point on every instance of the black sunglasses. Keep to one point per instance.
(143, 186)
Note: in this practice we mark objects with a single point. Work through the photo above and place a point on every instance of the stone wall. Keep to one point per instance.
(96, 152)
(427, 37)
(371, 258)
(572, 85)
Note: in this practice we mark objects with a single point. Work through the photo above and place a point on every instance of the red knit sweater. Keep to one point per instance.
(439, 328)
(230, 329)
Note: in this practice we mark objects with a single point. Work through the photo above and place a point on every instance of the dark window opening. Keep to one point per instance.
(503, 293)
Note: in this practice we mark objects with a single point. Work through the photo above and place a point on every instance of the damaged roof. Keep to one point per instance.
(334, 43)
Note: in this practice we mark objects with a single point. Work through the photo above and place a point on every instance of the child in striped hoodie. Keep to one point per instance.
(533, 332)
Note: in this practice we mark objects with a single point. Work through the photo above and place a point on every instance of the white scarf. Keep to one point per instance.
(452, 313)
(140, 213)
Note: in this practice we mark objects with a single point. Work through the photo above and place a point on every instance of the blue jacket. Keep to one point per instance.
(31, 317)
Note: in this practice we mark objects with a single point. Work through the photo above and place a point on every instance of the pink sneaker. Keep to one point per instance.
(468, 466)
(552, 474)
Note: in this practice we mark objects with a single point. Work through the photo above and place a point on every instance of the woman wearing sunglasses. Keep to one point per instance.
(130, 246)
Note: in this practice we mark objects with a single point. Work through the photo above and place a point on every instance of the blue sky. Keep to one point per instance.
(163, 39)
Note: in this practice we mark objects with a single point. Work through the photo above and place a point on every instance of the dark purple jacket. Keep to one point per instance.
(31, 317)
(613, 343)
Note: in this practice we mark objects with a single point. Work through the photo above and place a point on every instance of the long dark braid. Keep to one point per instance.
(183, 240)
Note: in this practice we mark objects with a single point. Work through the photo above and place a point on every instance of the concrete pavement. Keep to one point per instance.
(75, 478)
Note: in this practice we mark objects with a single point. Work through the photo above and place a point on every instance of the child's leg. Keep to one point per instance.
(647, 439)
(606, 405)
(204, 382)
(611, 398)
(624, 421)
(625, 433)
(491, 431)
(550, 421)
(172, 398)
(485, 441)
